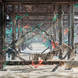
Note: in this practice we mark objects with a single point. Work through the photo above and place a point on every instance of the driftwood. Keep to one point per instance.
(64, 49)
(71, 64)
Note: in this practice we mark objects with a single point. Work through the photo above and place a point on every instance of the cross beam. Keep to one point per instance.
(40, 1)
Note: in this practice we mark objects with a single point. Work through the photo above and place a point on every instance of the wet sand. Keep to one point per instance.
(44, 71)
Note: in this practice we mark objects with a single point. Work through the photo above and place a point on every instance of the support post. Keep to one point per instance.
(69, 31)
(1, 35)
(72, 27)
(60, 27)
(54, 24)
(13, 34)
(59, 24)
(69, 19)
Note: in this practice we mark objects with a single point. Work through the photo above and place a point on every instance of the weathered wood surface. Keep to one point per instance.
(43, 1)
(72, 63)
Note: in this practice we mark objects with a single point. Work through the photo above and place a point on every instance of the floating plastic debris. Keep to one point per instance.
(76, 5)
(55, 17)
(26, 14)
(53, 44)
(18, 17)
(26, 26)
(65, 31)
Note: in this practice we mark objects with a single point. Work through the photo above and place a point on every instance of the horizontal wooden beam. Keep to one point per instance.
(30, 62)
(41, 1)
(14, 2)
(37, 13)
(68, 63)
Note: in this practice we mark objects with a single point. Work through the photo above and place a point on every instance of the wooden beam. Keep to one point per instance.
(30, 62)
(59, 23)
(69, 31)
(1, 35)
(40, 1)
(60, 27)
(72, 26)
(67, 63)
